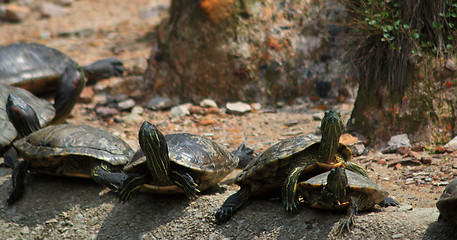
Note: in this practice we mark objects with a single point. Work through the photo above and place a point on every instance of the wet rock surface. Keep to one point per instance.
(72, 208)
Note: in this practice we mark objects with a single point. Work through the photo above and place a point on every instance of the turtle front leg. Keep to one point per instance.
(346, 222)
(131, 185)
(289, 189)
(233, 203)
(102, 175)
(185, 182)
(18, 177)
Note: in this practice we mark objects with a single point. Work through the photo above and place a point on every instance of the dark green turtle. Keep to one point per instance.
(340, 189)
(64, 150)
(282, 165)
(178, 163)
(68, 90)
(447, 204)
(39, 68)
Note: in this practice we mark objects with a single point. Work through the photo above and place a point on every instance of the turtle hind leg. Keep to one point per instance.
(346, 223)
(388, 202)
(102, 175)
(131, 185)
(185, 182)
(233, 203)
(18, 177)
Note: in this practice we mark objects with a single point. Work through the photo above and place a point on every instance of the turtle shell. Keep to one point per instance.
(208, 162)
(44, 109)
(271, 167)
(71, 150)
(447, 204)
(367, 192)
(32, 66)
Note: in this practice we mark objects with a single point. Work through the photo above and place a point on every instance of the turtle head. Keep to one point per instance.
(69, 88)
(332, 128)
(21, 115)
(154, 146)
(335, 190)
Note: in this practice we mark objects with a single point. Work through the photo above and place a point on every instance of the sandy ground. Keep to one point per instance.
(69, 208)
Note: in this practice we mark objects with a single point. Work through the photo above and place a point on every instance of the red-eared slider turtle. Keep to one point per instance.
(289, 161)
(64, 150)
(38, 68)
(447, 204)
(67, 93)
(179, 162)
(340, 189)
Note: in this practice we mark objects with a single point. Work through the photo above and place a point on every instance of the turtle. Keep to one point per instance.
(447, 204)
(285, 163)
(38, 68)
(178, 163)
(340, 189)
(64, 150)
(68, 91)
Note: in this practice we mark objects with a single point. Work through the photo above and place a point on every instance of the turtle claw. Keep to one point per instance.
(223, 214)
(344, 225)
(291, 207)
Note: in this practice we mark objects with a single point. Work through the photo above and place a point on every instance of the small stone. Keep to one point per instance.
(105, 112)
(87, 95)
(405, 207)
(180, 111)
(160, 103)
(256, 106)
(396, 142)
(15, 13)
(126, 104)
(238, 108)
(409, 181)
(451, 145)
(426, 160)
(48, 9)
(318, 116)
(357, 149)
(398, 236)
(197, 110)
(291, 123)
(25, 230)
(208, 103)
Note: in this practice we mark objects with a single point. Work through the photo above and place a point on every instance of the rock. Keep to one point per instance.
(14, 13)
(105, 112)
(396, 142)
(357, 149)
(451, 145)
(134, 115)
(87, 32)
(160, 103)
(87, 95)
(238, 108)
(180, 111)
(126, 104)
(208, 103)
(405, 207)
(318, 116)
(256, 106)
(48, 9)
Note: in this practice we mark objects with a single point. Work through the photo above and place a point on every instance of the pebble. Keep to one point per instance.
(357, 149)
(160, 103)
(25, 230)
(256, 106)
(405, 207)
(105, 112)
(318, 116)
(180, 111)
(126, 104)
(452, 145)
(48, 9)
(14, 13)
(208, 103)
(396, 142)
(238, 108)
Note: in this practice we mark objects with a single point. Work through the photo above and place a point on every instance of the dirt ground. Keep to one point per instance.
(68, 208)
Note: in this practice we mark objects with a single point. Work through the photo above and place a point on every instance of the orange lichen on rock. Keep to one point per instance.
(217, 10)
